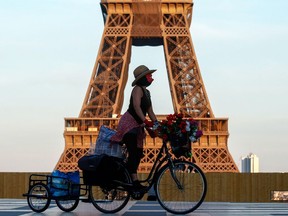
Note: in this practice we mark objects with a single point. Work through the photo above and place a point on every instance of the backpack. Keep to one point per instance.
(99, 169)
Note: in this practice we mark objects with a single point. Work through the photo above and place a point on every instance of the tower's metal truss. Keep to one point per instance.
(142, 22)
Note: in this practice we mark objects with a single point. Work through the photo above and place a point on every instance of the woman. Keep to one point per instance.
(131, 125)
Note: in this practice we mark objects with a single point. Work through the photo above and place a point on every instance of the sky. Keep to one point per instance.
(48, 49)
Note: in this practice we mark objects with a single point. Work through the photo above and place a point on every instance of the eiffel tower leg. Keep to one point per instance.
(104, 97)
(189, 95)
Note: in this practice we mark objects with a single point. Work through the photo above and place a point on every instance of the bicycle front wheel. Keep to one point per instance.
(182, 189)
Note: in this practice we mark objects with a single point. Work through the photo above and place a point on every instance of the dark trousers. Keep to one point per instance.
(134, 153)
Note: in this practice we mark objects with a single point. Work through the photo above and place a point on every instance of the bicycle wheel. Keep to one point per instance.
(67, 205)
(182, 190)
(38, 197)
(111, 198)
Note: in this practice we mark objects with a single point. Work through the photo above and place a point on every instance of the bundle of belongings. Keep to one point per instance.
(102, 166)
(99, 169)
(64, 183)
(104, 145)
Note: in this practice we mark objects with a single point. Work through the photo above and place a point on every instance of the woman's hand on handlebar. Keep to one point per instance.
(152, 128)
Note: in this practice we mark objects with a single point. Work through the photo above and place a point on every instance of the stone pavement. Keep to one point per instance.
(17, 207)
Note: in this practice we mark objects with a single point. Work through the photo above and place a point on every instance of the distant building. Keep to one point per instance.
(250, 164)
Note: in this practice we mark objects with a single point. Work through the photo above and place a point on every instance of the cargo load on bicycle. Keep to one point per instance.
(101, 165)
(98, 169)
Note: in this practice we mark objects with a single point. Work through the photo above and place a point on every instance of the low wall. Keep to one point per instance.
(222, 187)
(244, 187)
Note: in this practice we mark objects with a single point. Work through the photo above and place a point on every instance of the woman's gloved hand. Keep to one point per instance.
(148, 123)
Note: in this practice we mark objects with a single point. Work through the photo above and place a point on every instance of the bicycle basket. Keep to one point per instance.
(180, 145)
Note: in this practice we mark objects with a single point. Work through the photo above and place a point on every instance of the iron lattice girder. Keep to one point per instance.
(70, 157)
(185, 79)
(212, 155)
(186, 83)
(119, 20)
(104, 87)
(174, 20)
(113, 47)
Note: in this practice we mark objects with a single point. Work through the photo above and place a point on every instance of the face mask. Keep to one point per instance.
(144, 82)
(149, 78)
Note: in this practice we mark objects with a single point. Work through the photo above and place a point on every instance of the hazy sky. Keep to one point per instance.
(48, 49)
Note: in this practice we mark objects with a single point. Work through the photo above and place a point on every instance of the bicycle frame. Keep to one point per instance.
(163, 157)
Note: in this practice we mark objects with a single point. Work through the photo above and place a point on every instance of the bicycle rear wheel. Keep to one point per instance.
(182, 190)
(112, 197)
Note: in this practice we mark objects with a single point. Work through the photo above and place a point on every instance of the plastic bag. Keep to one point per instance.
(64, 184)
(104, 145)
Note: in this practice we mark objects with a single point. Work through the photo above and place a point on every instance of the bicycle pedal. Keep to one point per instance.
(137, 195)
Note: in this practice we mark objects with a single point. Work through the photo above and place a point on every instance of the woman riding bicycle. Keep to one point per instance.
(130, 129)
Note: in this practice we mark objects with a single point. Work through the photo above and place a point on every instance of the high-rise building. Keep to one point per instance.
(250, 164)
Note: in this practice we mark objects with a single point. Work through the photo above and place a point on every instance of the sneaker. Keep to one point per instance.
(151, 198)
(138, 186)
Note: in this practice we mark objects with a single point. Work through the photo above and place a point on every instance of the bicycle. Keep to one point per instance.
(180, 186)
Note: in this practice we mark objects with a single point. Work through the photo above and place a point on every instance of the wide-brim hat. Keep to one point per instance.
(140, 72)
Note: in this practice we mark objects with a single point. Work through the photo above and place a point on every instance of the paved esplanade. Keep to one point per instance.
(13, 207)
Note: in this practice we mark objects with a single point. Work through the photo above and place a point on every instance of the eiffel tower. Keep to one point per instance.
(154, 23)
